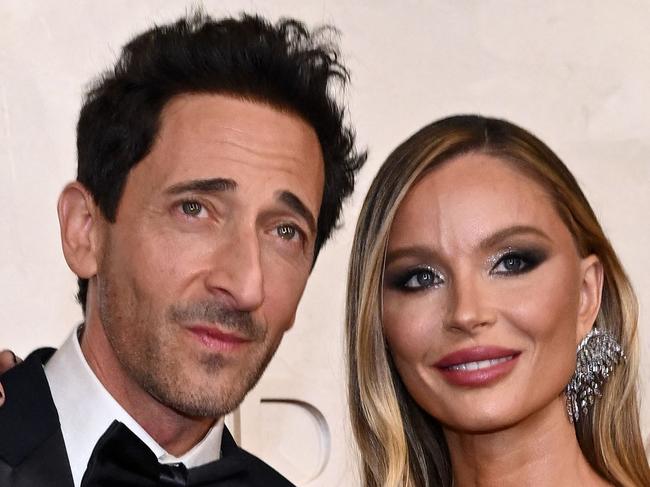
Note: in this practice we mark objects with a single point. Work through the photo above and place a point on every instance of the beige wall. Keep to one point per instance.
(575, 73)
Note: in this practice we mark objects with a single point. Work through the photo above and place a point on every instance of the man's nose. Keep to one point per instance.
(470, 308)
(237, 268)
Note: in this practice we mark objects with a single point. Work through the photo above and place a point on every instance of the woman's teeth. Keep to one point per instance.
(481, 364)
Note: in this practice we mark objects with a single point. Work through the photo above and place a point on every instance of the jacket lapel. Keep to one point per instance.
(32, 451)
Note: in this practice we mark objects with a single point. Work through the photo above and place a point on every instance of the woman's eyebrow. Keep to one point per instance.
(417, 251)
(497, 237)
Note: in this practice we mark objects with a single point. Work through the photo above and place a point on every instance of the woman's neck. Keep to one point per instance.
(541, 450)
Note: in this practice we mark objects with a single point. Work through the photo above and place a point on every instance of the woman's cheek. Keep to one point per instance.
(410, 330)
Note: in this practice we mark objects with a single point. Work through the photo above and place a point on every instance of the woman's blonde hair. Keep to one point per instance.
(400, 444)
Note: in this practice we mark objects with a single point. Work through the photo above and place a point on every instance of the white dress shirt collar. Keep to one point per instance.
(86, 410)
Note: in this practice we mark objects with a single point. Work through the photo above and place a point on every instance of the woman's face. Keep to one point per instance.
(485, 295)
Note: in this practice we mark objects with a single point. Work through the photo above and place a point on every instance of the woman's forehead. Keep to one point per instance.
(471, 196)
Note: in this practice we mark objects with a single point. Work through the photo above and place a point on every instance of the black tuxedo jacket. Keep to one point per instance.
(32, 451)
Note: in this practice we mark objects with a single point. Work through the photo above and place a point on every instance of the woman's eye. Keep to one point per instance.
(512, 264)
(191, 208)
(517, 263)
(286, 231)
(421, 279)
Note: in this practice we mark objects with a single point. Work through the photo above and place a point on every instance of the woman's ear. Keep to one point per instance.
(591, 288)
(80, 226)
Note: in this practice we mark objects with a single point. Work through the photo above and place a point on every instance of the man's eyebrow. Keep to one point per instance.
(497, 237)
(214, 185)
(293, 202)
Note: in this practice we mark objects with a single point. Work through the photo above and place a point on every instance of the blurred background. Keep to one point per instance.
(574, 73)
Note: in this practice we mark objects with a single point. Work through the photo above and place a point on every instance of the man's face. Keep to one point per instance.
(202, 271)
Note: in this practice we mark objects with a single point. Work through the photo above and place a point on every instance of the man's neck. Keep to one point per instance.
(175, 432)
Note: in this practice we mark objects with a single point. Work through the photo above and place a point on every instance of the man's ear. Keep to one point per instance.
(80, 223)
(591, 289)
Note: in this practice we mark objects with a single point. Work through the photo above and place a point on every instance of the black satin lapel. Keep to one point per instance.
(219, 472)
(32, 451)
(232, 464)
(237, 468)
(228, 445)
(46, 466)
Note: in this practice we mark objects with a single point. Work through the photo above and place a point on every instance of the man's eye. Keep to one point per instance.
(286, 232)
(191, 208)
(421, 279)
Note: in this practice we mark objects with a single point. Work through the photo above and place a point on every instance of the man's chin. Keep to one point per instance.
(202, 411)
(200, 400)
(209, 386)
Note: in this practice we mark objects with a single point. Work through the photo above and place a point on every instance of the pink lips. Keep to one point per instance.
(216, 339)
(477, 366)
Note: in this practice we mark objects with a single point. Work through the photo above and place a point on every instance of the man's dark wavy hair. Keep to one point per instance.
(282, 64)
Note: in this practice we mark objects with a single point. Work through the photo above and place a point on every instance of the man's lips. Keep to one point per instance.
(213, 337)
(477, 366)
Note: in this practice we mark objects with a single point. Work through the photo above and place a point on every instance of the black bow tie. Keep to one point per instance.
(121, 459)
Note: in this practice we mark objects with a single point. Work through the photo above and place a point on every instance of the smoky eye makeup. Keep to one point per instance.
(414, 278)
(514, 261)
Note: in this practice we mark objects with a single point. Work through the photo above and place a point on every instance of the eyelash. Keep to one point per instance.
(182, 204)
(527, 259)
(201, 207)
(298, 231)
(401, 281)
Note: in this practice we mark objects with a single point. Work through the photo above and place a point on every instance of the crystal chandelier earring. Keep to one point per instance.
(596, 358)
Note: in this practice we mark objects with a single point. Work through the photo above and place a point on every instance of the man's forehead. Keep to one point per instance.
(234, 120)
(218, 125)
(266, 150)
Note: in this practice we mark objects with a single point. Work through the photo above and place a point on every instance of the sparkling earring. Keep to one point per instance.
(596, 358)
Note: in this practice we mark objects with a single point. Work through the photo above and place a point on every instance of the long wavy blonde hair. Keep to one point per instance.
(400, 444)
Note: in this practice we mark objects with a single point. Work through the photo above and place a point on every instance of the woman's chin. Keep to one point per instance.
(482, 422)
(499, 416)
